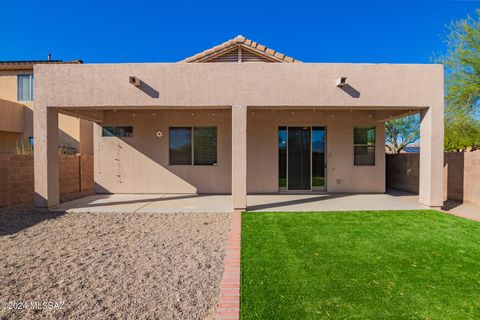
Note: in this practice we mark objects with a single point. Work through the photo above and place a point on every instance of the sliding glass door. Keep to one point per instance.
(301, 154)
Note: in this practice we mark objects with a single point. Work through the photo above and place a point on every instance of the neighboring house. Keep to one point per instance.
(16, 111)
(239, 118)
(411, 149)
(414, 148)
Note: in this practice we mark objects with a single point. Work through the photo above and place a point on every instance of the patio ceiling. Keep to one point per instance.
(379, 114)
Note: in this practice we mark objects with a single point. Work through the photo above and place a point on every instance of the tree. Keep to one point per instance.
(462, 131)
(462, 63)
(462, 79)
(401, 132)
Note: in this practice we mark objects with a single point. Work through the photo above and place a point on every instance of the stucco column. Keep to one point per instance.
(86, 137)
(45, 123)
(431, 156)
(239, 157)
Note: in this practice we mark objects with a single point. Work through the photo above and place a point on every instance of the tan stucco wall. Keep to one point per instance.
(8, 83)
(342, 175)
(140, 163)
(69, 133)
(224, 84)
(239, 156)
(86, 137)
(8, 91)
(11, 119)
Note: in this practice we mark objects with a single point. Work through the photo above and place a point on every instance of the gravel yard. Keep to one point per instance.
(110, 266)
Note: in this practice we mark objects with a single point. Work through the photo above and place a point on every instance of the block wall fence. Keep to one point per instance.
(16, 178)
(461, 173)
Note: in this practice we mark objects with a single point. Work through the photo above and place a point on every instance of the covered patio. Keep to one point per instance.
(194, 203)
(247, 106)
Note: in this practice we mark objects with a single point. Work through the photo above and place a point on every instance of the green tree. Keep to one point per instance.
(401, 132)
(462, 79)
(462, 131)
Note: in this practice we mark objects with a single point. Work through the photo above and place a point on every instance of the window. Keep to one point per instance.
(180, 140)
(25, 87)
(193, 145)
(364, 146)
(205, 146)
(117, 131)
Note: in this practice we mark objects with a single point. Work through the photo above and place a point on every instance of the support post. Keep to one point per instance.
(47, 194)
(239, 157)
(431, 157)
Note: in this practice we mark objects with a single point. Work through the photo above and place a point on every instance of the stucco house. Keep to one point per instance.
(16, 111)
(239, 118)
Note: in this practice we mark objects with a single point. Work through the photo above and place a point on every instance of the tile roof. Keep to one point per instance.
(28, 64)
(253, 46)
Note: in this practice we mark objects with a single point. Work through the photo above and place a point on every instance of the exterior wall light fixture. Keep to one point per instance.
(134, 80)
(342, 81)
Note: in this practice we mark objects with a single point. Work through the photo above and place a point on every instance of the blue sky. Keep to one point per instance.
(107, 31)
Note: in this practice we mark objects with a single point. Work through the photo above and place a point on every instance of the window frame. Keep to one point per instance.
(366, 144)
(30, 89)
(170, 150)
(116, 135)
(192, 146)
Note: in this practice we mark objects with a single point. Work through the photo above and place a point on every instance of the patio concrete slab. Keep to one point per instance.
(148, 203)
(465, 210)
(189, 203)
(126, 203)
(329, 202)
(170, 203)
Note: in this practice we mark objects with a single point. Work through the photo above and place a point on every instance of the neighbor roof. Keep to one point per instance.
(252, 47)
(28, 64)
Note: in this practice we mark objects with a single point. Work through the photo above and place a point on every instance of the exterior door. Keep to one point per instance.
(301, 153)
(299, 157)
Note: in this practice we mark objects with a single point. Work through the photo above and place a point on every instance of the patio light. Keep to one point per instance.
(134, 80)
(342, 81)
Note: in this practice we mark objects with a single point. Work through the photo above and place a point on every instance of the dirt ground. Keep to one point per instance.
(110, 266)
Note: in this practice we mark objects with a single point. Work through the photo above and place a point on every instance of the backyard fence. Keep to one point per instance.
(461, 174)
(17, 180)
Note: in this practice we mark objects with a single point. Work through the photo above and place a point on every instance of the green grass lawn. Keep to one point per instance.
(360, 265)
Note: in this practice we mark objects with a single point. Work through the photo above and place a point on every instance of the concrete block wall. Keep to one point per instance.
(402, 171)
(16, 178)
(86, 173)
(471, 189)
(454, 173)
(21, 179)
(4, 180)
(69, 175)
(461, 173)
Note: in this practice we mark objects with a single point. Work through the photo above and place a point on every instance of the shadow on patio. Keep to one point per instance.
(169, 203)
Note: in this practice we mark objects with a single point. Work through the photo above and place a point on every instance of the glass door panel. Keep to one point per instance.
(282, 158)
(299, 156)
(318, 158)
